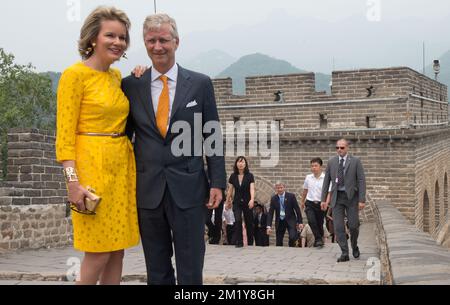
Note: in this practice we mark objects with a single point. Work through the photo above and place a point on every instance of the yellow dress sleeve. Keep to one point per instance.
(69, 97)
(118, 75)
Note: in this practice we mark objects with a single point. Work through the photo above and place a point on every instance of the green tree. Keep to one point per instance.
(26, 98)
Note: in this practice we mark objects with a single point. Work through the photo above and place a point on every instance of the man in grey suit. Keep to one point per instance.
(348, 195)
(172, 187)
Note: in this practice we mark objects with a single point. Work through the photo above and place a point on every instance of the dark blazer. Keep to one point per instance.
(354, 180)
(263, 221)
(156, 165)
(293, 215)
(241, 192)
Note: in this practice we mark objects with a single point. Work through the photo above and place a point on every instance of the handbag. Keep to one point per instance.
(91, 205)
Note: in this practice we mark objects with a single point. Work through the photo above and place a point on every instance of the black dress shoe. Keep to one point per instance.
(318, 244)
(343, 258)
(356, 252)
(239, 245)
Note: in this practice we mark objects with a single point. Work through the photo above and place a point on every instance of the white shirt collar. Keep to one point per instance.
(172, 74)
(322, 175)
(282, 195)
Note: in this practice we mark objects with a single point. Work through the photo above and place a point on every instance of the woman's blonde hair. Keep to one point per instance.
(92, 25)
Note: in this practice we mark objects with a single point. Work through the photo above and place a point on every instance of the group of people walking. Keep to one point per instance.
(331, 201)
(114, 139)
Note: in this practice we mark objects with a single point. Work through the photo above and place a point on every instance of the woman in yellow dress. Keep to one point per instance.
(92, 146)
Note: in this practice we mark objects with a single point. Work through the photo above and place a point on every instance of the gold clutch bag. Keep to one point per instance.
(91, 205)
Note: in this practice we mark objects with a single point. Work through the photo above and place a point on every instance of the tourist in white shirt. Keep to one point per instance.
(228, 220)
(311, 198)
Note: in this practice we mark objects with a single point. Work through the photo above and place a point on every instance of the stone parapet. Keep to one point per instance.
(33, 211)
(414, 257)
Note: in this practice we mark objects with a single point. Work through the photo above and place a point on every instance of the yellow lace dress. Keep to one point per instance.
(92, 101)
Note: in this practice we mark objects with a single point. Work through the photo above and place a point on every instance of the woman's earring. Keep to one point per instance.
(89, 50)
(124, 55)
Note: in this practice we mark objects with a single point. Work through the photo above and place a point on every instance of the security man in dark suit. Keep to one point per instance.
(346, 175)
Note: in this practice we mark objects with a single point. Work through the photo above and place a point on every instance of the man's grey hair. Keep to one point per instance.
(154, 22)
(345, 140)
(279, 182)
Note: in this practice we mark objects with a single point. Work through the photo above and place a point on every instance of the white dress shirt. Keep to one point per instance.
(314, 187)
(345, 159)
(157, 86)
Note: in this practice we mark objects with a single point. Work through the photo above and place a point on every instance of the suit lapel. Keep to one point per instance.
(183, 86)
(145, 94)
(347, 164)
(285, 206)
(335, 165)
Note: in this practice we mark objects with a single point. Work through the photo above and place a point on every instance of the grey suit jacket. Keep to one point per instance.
(354, 180)
(156, 165)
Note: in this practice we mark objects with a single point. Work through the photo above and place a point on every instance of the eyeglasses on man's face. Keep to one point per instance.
(340, 147)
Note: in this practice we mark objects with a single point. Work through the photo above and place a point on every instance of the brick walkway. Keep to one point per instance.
(223, 264)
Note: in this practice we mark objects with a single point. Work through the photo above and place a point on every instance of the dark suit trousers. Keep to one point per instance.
(214, 228)
(315, 218)
(158, 227)
(281, 230)
(261, 238)
(230, 232)
(344, 208)
(238, 210)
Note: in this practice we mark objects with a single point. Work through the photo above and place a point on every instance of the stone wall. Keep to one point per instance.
(33, 212)
(2, 155)
(443, 232)
(380, 234)
(399, 166)
(352, 84)
(223, 88)
(323, 115)
(426, 112)
(432, 170)
(401, 132)
(1, 163)
(401, 97)
(413, 256)
(388, 164)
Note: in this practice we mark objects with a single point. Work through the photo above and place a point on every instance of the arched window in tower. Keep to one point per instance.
(426, 213)
(436, 205)
(445, 195)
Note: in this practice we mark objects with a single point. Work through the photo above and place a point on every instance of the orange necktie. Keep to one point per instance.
(162, 114)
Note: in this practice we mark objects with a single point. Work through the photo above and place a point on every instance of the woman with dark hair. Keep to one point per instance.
(241, 197)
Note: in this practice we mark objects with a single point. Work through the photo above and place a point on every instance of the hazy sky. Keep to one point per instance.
(45, 32)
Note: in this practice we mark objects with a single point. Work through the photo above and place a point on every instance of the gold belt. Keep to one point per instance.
(100, 134)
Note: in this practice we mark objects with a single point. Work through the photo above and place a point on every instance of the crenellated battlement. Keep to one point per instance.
(352, 84)
(367, 98)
